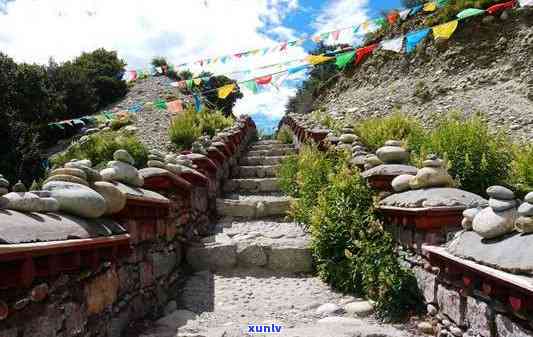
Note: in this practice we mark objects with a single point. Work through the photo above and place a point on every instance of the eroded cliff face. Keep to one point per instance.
(487, 67)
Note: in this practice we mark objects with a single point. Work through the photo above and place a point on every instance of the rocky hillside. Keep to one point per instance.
(487, 66)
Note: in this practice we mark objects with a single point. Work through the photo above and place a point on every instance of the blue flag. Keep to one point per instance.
(197, 103)
(413, 39)
(416, 9)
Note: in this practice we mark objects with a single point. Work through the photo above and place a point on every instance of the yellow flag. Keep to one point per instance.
(317, 59)
(224, 91)
(430, 7)
(445, 30)
(197, 81)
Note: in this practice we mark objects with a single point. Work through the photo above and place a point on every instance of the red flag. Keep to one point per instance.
(175, 106)
(501, 7)
(263, 80)
(335, 35)
(392, 17)
(133, 75)
(362, 53)
(238, 55)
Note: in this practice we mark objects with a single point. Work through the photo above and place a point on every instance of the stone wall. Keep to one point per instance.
(486, 66)
(93, 287)
(456, 300)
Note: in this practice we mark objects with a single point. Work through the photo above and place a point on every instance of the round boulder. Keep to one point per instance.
(500, 192)
(401, 182)
(392, 154)
(114, 197)
(77, 199)
(490, 224)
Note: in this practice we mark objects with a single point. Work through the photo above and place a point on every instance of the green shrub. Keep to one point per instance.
(375, 132)
(189, 125)
(99, 148)
(120, 122)
(476, 157)
(287, 176)
(284, 135)
(522, 168)
(352, 251)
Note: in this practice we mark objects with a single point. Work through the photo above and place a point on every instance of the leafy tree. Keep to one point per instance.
(209, 90)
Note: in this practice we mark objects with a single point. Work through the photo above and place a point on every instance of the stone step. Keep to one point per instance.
(272, 152)
(253, 206)
(266, 142)
(264, 171)
(247, 246)
(256, 161)
(270, 147)
(252, 185)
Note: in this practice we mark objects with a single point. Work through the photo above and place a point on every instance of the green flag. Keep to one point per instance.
(160, 104)
(344, 58)
(251, 85)
(189, 83)
(470, 12)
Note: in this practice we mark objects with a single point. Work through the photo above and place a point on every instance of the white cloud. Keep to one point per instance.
(181, 31)
(338, 14)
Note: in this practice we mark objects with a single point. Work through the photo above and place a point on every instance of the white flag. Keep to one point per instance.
(525, 3)
(393, 45)
(404, 14)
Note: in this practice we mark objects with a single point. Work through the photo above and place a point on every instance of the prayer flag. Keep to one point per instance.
(469, 12)
(393, 45)
(297, 69)
(414, 38)
(501, 7)
(189, 84)
(392, 17)
(263, 80)
(416, 9)
(175, 106)
(335, 35)
(251, 85)
(160, 104)
(344, 58)
(317, 59)
(197, 81)
(404, 14)
(445, 30)
(430, 7)
(362, 53)
(197, 103)
(224, 91)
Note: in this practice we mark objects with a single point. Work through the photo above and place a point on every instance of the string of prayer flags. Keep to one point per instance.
(317, 59)
(344, 58)
(501, 7)
(160, 104)
(466, 13)
(175, 106)
(296, 69)
(430, 7)
(197, 103)
(362, 53)
(416, 9)
(445, 30)
(394, 45)
(251, 85)
(263, 80)
(442, 3)
(189, 84)
(413, 39)
(225, 90)
(335, 35)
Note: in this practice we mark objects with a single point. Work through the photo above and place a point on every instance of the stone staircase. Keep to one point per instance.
(257, 269)
(252, 232)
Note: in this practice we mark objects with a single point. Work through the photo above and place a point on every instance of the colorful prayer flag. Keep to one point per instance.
(189, 84)
(224, 91)
(445, 30)
(404, 14)
(416, 9)
(344, 58)
(335, 35)
(160, 104)
(317, 59)
(430, 7)
(414, 38)
(469, 12)
(251, 85)
(263, 80)
(175, 106)
(392, 17)
(197, 103)
(394, 45)
(501, 7)
(297, 68)
(197, 81)
(362, 53)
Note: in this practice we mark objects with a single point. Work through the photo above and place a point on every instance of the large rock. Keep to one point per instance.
(92, 174)
(69, 171)
(348, 138)
(524, 224)
(67, 178)
(77, 199)
(529, 198)
(401, 182)
(114, 197)
(490, 224)
(434, 197)
(359, 308)
(431, 177)
(526, 209)
(123, 172)
(501, 205)
(29, 202)
(500, 192)
(123, 156)
(389, 170)
(251, 255)
(511, 253)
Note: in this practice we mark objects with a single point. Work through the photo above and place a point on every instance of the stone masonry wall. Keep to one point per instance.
(105, 300)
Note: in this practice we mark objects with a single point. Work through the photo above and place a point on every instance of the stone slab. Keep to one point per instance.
(434, 197)
(389, 170)
(511, 253)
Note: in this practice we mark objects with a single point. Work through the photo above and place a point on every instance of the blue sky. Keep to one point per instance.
(182, 31)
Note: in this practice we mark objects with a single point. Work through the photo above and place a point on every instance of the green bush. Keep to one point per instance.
(522, 168)
(99, 148)
(375, 132)
(189, 125)
(476, 157)
(287, 176)
(284, 135)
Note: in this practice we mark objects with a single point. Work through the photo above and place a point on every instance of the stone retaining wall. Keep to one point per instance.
(82, 291)
(461, 310)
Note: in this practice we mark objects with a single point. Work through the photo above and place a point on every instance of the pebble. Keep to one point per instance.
(328, 309)
(526, 209)
(360, 308)
(529, 198)
(123, 156)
